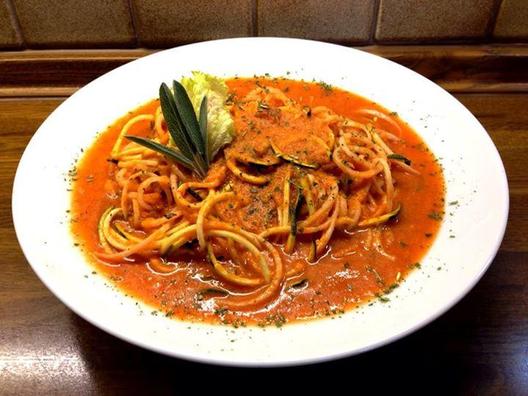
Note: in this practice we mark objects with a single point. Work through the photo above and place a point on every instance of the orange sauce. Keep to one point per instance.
(348, 275)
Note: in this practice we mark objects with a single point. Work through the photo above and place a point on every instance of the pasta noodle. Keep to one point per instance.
(293, 180)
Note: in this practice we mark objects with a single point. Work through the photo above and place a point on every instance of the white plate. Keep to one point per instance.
(473, 170)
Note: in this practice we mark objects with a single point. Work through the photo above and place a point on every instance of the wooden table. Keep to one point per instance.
(478, 347)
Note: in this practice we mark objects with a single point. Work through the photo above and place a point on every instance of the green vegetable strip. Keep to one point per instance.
(380, 219)
(294, 210)
(307, 192)
(160, 148)
(196, 136)
(188, 117)
(203, 128)
(399, 157)
(291, 158)
(174, 125)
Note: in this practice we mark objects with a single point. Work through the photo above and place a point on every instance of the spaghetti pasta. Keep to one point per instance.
(295, 179)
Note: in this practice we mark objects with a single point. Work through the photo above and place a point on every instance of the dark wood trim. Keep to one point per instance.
(458, 68)
(60, 68)
(464, 68)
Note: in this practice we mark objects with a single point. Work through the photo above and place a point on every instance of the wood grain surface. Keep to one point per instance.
(480, 347)
(457, 68)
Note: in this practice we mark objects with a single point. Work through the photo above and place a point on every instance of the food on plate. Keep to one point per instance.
(257, 200)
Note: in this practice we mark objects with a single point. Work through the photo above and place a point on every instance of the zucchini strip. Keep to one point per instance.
(267, 293)
(100, 227)
(125, 234)
(306, 185)
(295, 210)
(399, 157)
(244, 175)
(380, 219)
(177, 239)
(249, 246)
(273, 160)
(291, 158)
(286, 198)
(224, 273)
(204, 210)
(124, 131)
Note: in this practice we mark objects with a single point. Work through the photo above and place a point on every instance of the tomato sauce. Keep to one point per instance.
(349, 274)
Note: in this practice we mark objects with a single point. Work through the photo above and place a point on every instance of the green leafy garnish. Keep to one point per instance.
(220, 125)
(183, 125)
(203, 128)
(194, 140)
(160, 148)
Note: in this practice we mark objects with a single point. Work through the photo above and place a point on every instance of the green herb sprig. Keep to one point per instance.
(188, 131)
